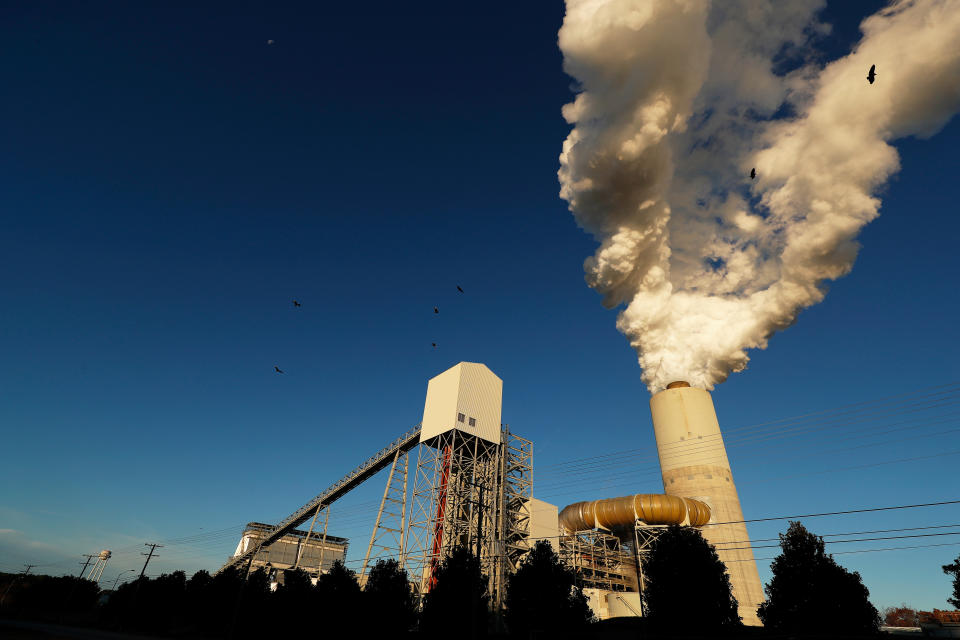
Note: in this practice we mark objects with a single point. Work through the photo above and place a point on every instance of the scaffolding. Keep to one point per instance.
(516, 491)
(470, 492)
(644, 535)
(599, 560)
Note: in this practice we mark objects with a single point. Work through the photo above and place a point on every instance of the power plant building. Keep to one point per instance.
(470, 483)
(311, 551)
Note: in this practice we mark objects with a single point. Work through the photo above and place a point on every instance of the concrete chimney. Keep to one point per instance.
(693, 462)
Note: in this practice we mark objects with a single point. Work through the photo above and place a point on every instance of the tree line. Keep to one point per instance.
(687, 587)
(541, 597)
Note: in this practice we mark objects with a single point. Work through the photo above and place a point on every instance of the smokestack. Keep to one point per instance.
(693, 462)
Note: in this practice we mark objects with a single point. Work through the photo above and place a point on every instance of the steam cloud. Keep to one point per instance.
(677, 100)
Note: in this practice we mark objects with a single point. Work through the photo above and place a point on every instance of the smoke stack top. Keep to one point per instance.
(676, 102)
(678, 384)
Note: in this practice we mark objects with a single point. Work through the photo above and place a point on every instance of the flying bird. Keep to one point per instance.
(277, 369)
(436, 309)
(459, 289)
(269, 41)
(297, 304)
(872, 75)
(434, 344)
(753, 173)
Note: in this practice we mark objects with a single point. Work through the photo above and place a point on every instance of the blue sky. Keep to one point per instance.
(170, 182)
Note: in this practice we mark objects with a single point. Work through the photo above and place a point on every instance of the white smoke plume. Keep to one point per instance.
(677, 100)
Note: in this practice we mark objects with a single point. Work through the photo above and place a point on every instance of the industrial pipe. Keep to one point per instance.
(651, 508)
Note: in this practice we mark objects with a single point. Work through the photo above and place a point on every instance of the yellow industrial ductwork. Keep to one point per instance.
(651, 508)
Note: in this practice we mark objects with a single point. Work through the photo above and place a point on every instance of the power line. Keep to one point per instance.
(651, 472)
(653, 466)
(703, 447)
(851, 533)
(915, 535)
(792, 422)
(815, 515)
(840, 513)
(838, 553)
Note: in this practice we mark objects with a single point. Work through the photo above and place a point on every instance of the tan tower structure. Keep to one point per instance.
(693, 461)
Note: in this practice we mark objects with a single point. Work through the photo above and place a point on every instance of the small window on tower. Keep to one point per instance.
(473, 422)
(460, 417)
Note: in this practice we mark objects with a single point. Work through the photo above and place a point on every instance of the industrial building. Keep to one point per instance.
(315, 553)
(471, 484)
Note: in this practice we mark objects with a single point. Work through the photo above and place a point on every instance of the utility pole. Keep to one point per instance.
(89, 557)
(153, 547)
(12, 582)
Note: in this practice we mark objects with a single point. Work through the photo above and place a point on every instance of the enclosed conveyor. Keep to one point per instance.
(650, 508)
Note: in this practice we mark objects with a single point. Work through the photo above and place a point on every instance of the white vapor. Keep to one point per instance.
(677, 100)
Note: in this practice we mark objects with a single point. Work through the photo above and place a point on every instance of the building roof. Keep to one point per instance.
(297, 533)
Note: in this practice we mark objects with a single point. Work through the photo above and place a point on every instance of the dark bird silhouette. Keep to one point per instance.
(297, 304)
(434, 344)
(753, 173)
(459, 289)
(872, 75)
(277, 369)
(436, 309)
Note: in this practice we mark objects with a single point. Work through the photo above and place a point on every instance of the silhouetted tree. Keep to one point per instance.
(543, 596)
(197, 591)
(253, 608)
(458, 596)
(230, 603)
(156, 606)
(218, 597)
(685, 580)
(387, 592)
(954, 570)
(293, 604)
(902, 616)
(48, 597)
(810, 591)
(339, 592)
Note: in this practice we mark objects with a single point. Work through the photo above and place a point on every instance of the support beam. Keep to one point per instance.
(349, 482)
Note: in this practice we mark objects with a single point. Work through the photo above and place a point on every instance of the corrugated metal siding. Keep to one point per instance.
(481, 395)
(469, 388)
(440, 408)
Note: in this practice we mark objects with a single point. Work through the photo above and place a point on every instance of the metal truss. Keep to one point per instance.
(311, 535)
(599, 561)
(644, 535)
(454, 504)
(388, 538)
(513, 516)
(369, 468)
(470, 492)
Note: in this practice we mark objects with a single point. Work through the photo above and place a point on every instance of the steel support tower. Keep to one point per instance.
(473, 493)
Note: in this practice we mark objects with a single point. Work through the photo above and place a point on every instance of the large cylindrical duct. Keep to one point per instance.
(651, 508)
(693, 461)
